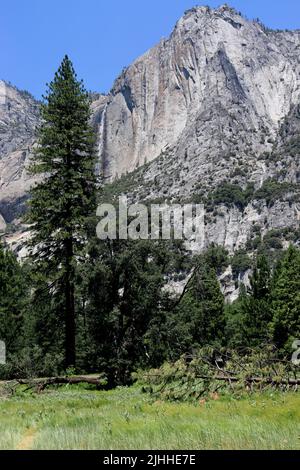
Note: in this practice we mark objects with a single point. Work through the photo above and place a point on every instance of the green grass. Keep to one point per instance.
(73, 418)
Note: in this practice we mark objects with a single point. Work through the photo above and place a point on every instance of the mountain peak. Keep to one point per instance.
(3, 86)
(203, 13)
(227, 8)
(6, 84)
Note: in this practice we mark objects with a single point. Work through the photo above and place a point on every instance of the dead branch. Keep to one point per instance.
(251, 380)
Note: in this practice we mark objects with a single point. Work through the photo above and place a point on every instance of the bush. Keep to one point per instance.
(240, 263)
(232, 195)
(30, 363)
(272, 190)
(273, 242)
(217, 258)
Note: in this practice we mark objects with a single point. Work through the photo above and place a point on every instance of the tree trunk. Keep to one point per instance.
(70, 347)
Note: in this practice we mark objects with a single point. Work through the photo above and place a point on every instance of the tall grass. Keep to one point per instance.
(126, 419)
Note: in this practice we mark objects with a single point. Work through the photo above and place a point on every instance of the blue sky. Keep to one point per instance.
(101, 36)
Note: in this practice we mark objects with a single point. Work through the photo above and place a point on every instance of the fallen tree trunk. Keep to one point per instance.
(41, 384)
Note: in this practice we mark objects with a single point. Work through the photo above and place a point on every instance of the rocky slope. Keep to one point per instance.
(216, 103)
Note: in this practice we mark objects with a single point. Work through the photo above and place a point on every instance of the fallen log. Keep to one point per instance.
(41, 384)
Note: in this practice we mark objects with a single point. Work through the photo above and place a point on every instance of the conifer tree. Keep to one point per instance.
(12, 300)
(208, 295)
(62, 201)
(199, 318)
(285, 302)
(256, 305)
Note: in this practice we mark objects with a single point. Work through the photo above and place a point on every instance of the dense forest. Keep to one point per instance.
(79, 304)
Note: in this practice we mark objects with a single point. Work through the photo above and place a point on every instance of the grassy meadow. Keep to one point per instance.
(125, 418)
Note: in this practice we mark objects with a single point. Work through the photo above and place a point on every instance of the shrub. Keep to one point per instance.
(272, 190)
(240, 263)
(232, 195)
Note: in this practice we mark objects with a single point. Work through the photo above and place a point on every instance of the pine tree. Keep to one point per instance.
(256, 305)
(61, 203)
(285, 300)
(13, 293)
(199, 318)
(208, 295)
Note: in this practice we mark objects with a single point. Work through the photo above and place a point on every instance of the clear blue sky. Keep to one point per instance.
(101, 36)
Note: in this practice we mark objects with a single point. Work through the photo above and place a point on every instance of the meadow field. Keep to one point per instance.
(125, 418)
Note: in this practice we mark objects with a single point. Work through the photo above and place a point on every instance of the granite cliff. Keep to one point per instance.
(212, 113)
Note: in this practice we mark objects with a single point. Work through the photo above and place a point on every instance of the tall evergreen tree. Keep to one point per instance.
(256, 305)
(13, 293)
(199, 318)
(207, 294)
(285, 300)
(61, 203)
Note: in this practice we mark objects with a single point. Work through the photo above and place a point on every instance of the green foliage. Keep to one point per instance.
(31, 362)
(289, 132)
(217, 258)
(271, 244)
(285, 300)
(268, 309)
(126, 319)
(210, 372)
(110, 301)
(240, 263)
(272, 241)
(234, 322)
(198, 319)
(13, 291)
(232, 194)
(123, 284)
(256, 306)
(125, 184)
(61, 203)
(272, 191)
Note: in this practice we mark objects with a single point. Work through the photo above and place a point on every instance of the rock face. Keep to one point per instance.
(217, 101)
(217, 80)
(19, 116)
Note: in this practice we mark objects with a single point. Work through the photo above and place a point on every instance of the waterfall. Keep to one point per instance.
(99, 164)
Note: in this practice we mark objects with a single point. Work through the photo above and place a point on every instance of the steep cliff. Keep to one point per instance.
(210, 114)
(220, 84)
(215, 110)
(19, 116)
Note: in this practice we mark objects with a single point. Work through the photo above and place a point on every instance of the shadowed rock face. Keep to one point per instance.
(201, 107)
